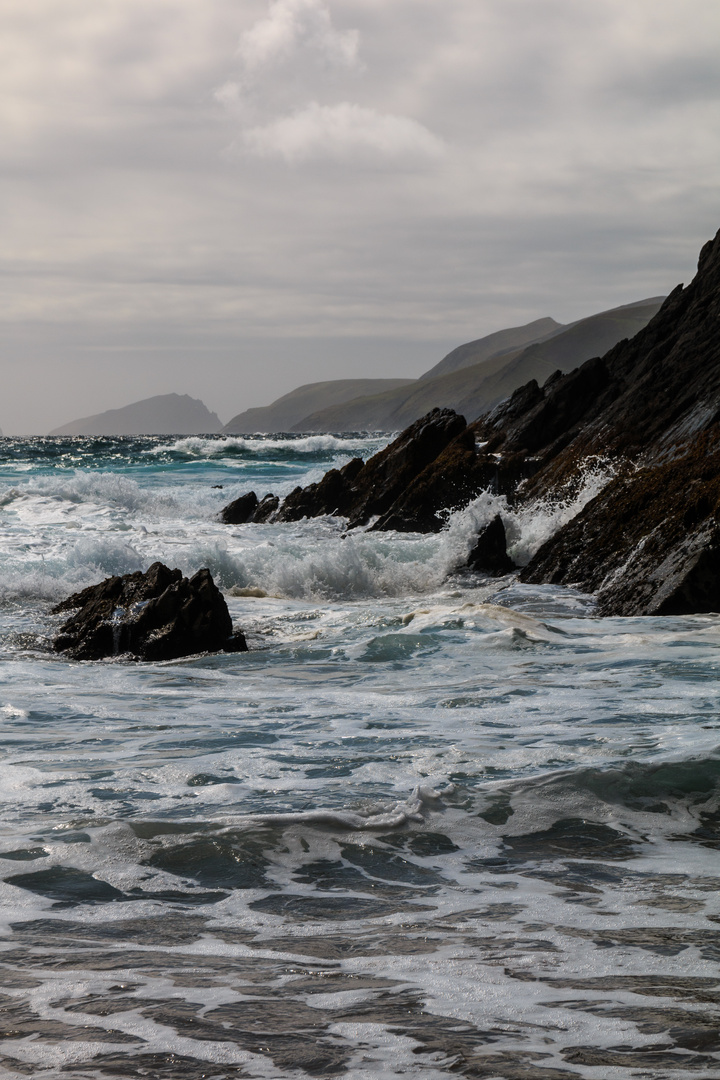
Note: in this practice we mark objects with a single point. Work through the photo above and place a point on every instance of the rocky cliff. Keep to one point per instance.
(649, 543)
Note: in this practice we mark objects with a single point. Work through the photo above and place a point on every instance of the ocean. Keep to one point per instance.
(431, 824)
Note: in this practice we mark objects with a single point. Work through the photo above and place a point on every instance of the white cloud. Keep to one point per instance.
(278, 105)
(342, 132)
(291, 25)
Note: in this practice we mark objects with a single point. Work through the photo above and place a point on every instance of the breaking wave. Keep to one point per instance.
(205, 447)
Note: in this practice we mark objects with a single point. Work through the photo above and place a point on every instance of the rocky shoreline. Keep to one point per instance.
(648, 543)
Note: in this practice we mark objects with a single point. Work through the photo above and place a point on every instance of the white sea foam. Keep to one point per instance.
(196, 446)
(400, 814)
(531, 525)
(306, 560)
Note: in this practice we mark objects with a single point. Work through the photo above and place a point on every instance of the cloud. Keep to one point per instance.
(342, 132)
(278, 105)
(292, 25)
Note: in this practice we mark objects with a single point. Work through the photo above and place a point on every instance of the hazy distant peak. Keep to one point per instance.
(515, 337)
(164, 414)
(284, 413)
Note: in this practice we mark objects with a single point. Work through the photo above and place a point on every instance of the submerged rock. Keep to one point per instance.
(156, 615)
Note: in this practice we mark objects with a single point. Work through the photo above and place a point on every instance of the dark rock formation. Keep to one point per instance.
(489, 555)
(331, 495)
(649, 542)
(362, 491)
(432, 467)
(248, 509)
(265, 509)
(450, 482)
(157, 615)
(241, 510)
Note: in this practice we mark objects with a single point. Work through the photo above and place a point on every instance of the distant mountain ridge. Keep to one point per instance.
(165, 414)
(502, 341)
(291, 408)
(471, 387)
(470, 379)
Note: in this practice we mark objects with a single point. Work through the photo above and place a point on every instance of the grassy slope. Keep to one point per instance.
(502, 341)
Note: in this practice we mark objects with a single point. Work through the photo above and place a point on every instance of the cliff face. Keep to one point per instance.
(649, 543)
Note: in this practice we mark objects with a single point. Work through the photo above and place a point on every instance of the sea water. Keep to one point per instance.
(431, 824)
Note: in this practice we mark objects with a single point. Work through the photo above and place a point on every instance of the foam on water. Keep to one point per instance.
(429, 825)
(269, 446)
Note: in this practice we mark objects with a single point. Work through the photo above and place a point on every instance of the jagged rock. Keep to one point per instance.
(156, 615)
(450, 482)
(649, 542)
(489, 556)
(248, 509)
(265, 509)
(331, 495)
(362, 490)
(387, 475)
(241, 510)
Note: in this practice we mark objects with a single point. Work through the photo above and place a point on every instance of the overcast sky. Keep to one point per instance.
(228, 198)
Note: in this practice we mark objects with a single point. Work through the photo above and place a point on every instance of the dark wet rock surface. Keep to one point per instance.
(249, 509)
(156, 615)
(399, 485)
(240, 510)
(489, 555)
(648, 542)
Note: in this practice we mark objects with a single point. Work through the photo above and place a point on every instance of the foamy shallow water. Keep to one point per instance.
(430, 825)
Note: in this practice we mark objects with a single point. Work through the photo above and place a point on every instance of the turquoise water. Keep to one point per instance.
(429, 825)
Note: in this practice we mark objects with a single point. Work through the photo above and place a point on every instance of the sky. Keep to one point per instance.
(230, 198)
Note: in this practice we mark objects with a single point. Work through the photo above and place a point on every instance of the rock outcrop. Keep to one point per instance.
(240, 510)
(156, 615)
(489, 556)
(380, 487)
(649, 542)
